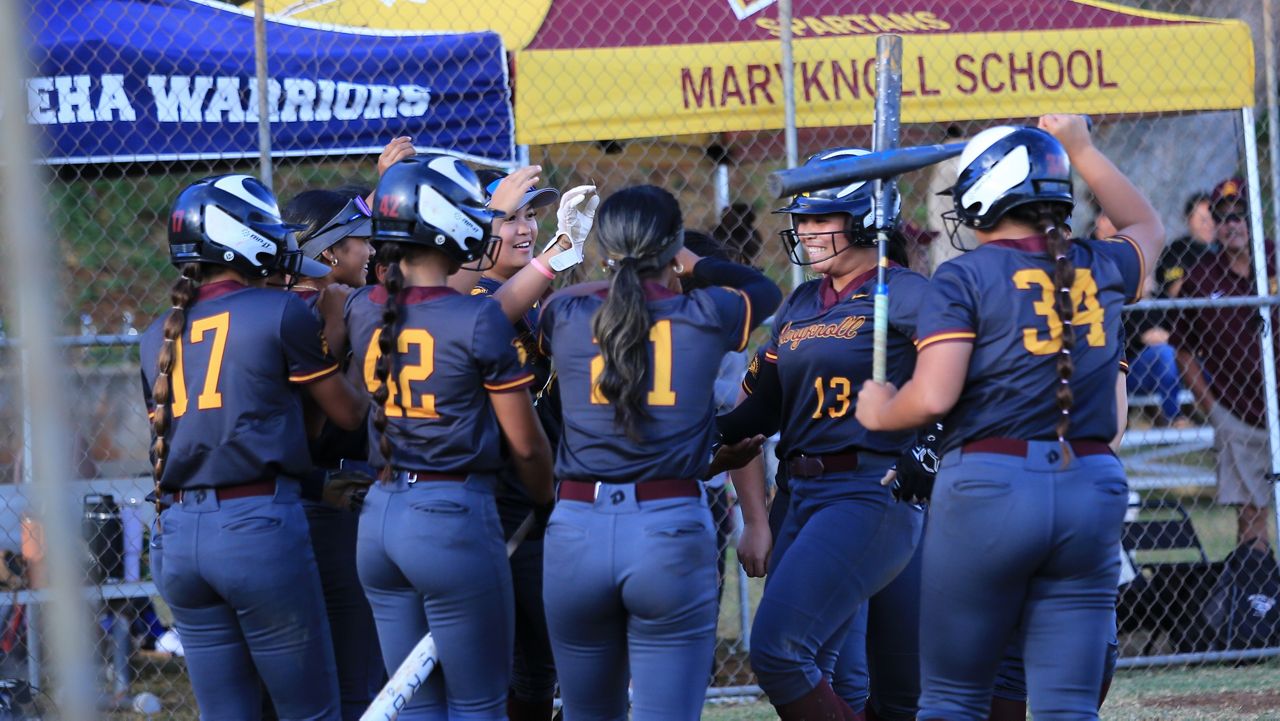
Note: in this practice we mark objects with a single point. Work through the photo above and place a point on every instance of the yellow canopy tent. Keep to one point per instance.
(613, 69)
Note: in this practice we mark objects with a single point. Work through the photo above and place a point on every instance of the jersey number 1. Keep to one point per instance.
(1084, 297)
(661, 395)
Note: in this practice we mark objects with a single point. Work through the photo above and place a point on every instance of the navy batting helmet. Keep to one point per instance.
(1004, 167)
(435, 201)
(233, 220)
(855, 200)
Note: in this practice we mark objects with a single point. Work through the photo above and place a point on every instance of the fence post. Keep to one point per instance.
(30, 274)
(264, 90)
(1253, 182)
(789, 100)
(1273, 113)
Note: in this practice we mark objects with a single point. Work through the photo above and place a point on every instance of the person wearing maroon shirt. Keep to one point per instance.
(1220, 356)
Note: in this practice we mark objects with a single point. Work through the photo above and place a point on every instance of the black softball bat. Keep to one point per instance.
(884, 164)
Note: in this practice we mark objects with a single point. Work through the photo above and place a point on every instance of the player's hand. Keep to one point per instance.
(753, 549)
(1070, 130)
(732, 456)
(686, 259)
(346, 489)
(574, 219)
(394, 152)
(871, 401)
(917, 468)
(507, 196)
(332, 300)
(331, 303)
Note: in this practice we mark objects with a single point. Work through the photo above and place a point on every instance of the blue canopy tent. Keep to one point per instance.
(122, 81)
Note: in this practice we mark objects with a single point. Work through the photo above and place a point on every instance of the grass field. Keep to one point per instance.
(1249, 692)
(1199, 693)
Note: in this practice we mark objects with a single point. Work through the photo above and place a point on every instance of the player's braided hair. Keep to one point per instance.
(387, 357)
(1049, 219)
(640, 229)
(182, 296)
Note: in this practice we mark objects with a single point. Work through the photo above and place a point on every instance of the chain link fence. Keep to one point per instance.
(134, 110)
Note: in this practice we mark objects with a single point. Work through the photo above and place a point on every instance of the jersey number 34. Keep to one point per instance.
(1084, 298)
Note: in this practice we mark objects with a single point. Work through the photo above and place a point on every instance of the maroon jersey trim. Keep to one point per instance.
(209, 291)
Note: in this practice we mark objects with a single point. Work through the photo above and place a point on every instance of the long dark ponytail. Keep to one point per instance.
(183, 296)
(1049, 219)
(387, 356)
(639, 229)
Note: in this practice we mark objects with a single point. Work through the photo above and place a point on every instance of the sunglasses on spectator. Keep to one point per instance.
(341, 225)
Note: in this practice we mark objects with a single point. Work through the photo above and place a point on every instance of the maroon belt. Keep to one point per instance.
(245, 490)
(416, 476)
(1016, 447)
(815, 466)
(645, 490)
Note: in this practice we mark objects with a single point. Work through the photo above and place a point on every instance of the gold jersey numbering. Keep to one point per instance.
(662, 393)
(1084, 298)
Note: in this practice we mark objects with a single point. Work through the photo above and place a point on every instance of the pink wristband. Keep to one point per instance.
(542, 268)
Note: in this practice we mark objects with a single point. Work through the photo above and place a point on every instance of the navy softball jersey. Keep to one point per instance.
(235, 418)
(688, 336)
(453, 350)
(822, 347)
(525, 329)
(1000, 297)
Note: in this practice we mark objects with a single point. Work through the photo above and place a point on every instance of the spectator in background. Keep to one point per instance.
(1153, 368)
(1186, 251)
(1219, 351)
(919, 243)
(737, 235)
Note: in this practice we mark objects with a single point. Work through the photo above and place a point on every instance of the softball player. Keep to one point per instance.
(630, 573)
(1019, 351)
(533, 678)
(336, 229)
(223, 369)
(1009, 698)
(449, 389)
(844, 538)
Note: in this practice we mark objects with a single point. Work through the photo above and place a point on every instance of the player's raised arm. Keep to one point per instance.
(1126, 206)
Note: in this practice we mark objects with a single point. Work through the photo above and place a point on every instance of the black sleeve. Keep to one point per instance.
(758, 413)
(764, 295)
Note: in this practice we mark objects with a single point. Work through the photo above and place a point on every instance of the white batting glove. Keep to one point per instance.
(574, 218)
